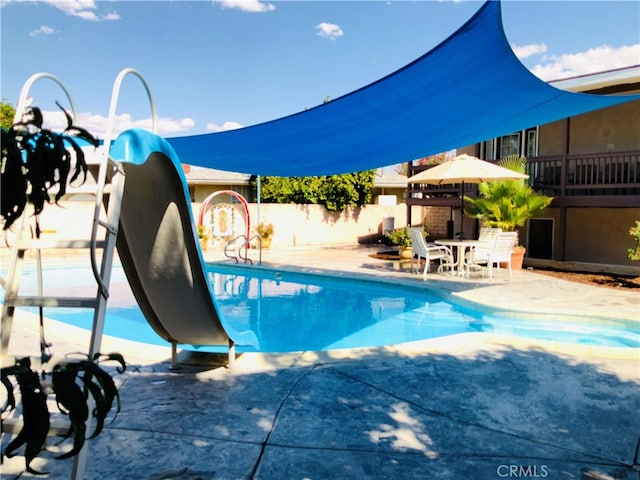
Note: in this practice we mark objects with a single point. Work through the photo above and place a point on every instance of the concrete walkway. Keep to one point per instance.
(472, 406)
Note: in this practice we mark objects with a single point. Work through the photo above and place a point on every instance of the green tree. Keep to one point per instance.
(335, 192)
(507, 204)
(7, 112)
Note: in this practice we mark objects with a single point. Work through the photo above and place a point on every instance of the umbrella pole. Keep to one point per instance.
(462, 210)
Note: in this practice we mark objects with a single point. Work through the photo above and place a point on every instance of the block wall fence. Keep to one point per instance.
(294, 225)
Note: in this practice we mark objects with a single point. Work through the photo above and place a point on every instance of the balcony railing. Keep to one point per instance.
(598, 179)
(586, 174)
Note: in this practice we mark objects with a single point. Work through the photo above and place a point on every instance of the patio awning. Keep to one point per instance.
(468, 89)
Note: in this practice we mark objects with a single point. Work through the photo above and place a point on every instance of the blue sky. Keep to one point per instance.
(213, 65)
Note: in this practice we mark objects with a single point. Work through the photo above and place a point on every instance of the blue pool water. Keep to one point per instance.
(293, 312)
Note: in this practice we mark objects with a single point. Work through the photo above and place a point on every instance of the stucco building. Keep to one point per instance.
(589, 164)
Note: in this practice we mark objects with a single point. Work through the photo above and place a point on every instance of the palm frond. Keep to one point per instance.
(514, 162)
(507, 204)
(66, 114)
(68, 380)
(35, 160)
(35, 414)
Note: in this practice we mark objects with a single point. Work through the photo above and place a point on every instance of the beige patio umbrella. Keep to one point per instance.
(465, 169)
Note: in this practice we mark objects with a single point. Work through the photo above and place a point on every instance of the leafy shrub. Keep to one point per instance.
(634, 253)
(400, 237)
(335, 192)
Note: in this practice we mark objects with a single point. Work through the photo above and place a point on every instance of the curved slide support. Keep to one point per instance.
(158, 247)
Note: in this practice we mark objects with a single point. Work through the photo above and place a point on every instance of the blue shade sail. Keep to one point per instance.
(468, 89)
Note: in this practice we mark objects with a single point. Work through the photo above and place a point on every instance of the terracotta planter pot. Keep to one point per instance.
(517, 258)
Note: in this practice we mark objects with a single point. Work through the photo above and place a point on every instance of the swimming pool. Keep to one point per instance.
(291, 311)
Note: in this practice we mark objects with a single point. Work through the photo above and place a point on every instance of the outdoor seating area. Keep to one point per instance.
(465, 258)
(429, 252)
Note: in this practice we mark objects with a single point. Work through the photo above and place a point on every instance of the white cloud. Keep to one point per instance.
(594, 60)
(111, 16)
(43, 30)
(85, 9)
(97, 124)
(76, 8)
(246, 5)
(525, 51)
(214, 127)
(329, 30)
(168, 125)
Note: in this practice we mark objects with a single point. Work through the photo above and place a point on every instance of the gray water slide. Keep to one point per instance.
(159, 251)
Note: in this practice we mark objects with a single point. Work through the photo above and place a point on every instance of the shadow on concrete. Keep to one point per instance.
(374, 413)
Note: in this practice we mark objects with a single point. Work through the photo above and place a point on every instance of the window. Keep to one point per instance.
(489, 150)
(511, 144)
(531, 142)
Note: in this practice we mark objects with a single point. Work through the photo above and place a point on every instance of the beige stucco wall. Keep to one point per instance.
(615, 129)
(68, 220)
(295, 225)
(600, 234)
(550, 139)
(299, 225)
(593, 235)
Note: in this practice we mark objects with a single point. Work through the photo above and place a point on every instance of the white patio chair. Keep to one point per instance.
(478, 256)
(501, 253)
(428, 251)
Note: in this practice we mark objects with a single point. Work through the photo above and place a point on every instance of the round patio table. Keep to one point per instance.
(461, 248)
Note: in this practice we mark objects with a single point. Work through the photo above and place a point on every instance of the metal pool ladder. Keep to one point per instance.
(107, 190)
(237, 248)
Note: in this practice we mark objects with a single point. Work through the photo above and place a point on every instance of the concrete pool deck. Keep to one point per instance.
(472, 406)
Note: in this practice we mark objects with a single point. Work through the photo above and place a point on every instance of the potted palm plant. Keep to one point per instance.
(508, 204)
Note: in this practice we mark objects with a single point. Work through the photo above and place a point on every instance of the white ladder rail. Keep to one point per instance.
(11, 287)
(80, 460)
(108, 250)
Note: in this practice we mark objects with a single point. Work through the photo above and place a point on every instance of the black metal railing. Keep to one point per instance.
(571, 179)
(586, 174)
